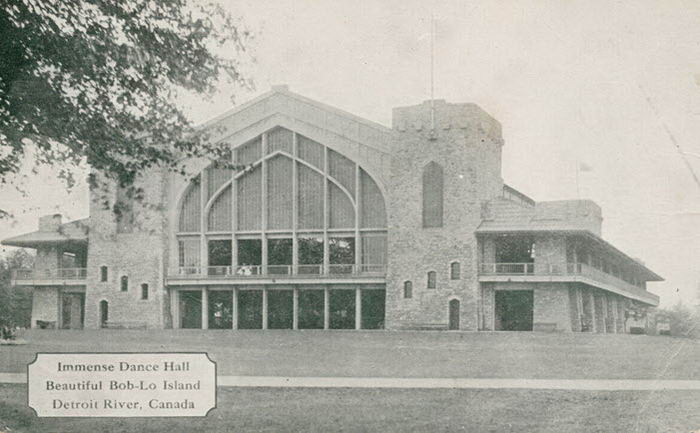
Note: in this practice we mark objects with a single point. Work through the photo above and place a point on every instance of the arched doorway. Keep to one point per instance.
(104, 313)
(454, 314)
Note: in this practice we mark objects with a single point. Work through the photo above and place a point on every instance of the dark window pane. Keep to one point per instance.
(455, 271)
(310, 255)
(515, 249)
(220, 252)
(250, 252)
(342, 255)
(432, 283)
(279, 256)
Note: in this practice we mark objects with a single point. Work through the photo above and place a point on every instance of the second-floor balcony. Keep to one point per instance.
(553, 272)
(60, 276)
(278, 272)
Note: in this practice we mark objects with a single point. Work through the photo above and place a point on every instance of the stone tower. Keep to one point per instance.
(439, 179)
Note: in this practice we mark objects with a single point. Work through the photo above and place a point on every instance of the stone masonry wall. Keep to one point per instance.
(45, 305)
(137, 253)
(468, 147)
(551, 307)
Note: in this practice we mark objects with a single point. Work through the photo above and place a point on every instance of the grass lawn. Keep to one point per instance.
(366, 410)
(391, 354)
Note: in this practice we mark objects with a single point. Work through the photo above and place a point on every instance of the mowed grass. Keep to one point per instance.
(390, 410)
(390, 354)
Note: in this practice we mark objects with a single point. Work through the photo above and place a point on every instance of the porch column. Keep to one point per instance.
(358, 308)
(175, 308)
(234, 309)
(594, 312)
(264, 308)
(205, 308)
(579, 307)
(326, 308)
(604, 301)
(613, 303)
(295, 309)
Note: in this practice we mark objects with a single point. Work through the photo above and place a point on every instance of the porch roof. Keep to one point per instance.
(72, 233)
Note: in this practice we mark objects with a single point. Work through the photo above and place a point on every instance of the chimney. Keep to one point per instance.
(50, 223)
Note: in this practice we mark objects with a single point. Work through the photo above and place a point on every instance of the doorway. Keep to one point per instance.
(514, 310)
(104, 313)
(454, 315)
(72, 307)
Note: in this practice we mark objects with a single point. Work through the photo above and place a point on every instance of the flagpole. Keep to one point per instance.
(578, 191)
(432, 76)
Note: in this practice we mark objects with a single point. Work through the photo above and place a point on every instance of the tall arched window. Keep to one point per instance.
(407, 290)
(432, 280)
(294, 187)
(432, 195)
(455, 272)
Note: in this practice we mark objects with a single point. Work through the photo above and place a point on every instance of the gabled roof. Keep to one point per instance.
(279, 100)
(75, 232)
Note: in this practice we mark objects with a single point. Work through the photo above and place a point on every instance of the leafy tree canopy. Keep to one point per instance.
(96, 81)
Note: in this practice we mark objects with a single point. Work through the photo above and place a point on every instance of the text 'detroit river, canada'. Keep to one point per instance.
(121, 384)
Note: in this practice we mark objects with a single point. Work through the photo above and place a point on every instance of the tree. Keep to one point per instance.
(683, 321)
(15, 302)
(97, 81)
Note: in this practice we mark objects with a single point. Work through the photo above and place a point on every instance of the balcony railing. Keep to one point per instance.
(274, 271)
(549, 269)
(50, 274)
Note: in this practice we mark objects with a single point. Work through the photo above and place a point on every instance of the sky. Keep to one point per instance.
(612, 85)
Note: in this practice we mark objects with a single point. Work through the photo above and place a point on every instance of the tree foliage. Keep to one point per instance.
(683, 320)
(15, 302)
(97, 81)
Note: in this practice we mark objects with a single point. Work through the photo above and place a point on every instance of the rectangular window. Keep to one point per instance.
(124, 283)
(103, 273)
(279, 256)
(432, 280)
(455, 272)
(249, 257)
(407, 290)
(341, 253)
(144, 291)
(310, 255)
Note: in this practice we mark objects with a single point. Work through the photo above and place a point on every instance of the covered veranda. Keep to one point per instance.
(341, 306)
